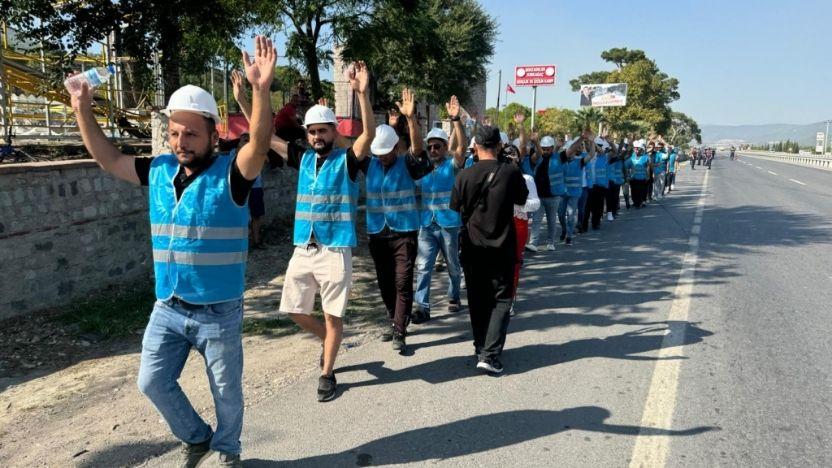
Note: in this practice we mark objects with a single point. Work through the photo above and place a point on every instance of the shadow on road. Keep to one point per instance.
(474, 435)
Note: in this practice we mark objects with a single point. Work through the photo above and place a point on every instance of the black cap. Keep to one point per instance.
(487, 136)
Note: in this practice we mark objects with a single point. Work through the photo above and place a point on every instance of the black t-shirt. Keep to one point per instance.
(240, 186)
(295, 155)
(541, 174)
(487, 206)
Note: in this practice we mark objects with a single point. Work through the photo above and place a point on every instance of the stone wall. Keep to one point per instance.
(68, 228)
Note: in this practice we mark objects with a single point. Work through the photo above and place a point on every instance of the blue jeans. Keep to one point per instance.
(216, 332)
(568, 213)
(549, 206)
(432, 239)
(582, 209)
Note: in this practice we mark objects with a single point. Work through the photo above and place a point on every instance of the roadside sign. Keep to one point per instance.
(604, 95)
(535, 75)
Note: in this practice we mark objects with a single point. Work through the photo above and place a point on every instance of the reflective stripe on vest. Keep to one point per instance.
(436, 196)
(326, 201)
(614, 172)
(600, 172)
(557, 183)
(391, 197)
(573, 179)
(200, 242)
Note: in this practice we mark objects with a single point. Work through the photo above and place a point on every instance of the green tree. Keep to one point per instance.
(649, 94)
(438, 48)
(186, 33)
(557, 122)
(683, 130)
(312, 27)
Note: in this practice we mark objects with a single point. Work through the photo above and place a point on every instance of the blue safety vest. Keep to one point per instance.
(671, 163)
(391, 197)
(326, 201)
(600, 171)
(557, 176)
(200, 243)
(614, 172)
(660, 163)
(638, 164)
(573, 173)
(526, 165)
(436, 196)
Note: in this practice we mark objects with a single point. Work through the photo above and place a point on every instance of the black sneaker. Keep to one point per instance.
(398, 342)
(492, 365)
(453, 306)
(326, 387)
(192, 455)
(387, 335)
(569, 241)
(232, 461)
(420, 316)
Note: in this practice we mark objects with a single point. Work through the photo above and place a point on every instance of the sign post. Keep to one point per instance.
(534, 76)
(820, 143)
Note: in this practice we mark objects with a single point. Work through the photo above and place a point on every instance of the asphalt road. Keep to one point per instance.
(694, 332)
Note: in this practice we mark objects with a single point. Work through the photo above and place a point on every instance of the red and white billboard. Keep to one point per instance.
(535, 75)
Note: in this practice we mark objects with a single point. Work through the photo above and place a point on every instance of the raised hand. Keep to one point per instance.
(519, 117)
(81, 102)
(452, 107)
(407, 106)
(260, 70)
(237, 85)
(359, 77)
(323, 102)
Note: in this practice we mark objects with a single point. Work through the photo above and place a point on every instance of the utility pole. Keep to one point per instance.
(534, 105)
(499, 85)
(826, 138)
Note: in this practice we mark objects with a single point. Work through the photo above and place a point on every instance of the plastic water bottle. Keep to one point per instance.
(94, 77)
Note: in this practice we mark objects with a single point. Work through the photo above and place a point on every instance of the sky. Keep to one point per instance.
(738, 62)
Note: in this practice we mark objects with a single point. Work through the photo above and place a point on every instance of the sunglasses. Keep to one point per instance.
(435, 146)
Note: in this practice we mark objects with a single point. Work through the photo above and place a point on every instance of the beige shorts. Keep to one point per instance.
(327, 269)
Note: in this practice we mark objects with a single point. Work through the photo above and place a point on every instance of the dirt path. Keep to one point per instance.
(85, 409)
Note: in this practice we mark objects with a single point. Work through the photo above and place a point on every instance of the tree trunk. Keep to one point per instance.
(170, 44)
(311, 56)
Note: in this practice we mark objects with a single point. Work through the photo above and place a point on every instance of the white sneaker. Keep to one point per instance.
(550, 247)
(531, 248)
(609, 216)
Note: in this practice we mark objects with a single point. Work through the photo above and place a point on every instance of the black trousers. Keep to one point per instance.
(649, 194)
(395, 258)
(613, 198)
(639, 190)
(597, 197)
(489, 278)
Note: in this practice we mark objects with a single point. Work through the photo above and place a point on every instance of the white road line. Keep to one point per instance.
(797, 182)
(758, 167)
(772, 172)
(651, 450)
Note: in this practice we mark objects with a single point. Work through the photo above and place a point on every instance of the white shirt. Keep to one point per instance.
(532, 201)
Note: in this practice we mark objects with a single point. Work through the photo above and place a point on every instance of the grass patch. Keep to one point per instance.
(111, 313)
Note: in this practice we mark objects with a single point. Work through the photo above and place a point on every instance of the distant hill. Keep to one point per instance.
(803, 134)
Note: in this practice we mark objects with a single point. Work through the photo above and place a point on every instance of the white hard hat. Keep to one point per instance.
(385, 140)
(638, 144)
(504, 138)
(190, 98)
(602, 143)
(547, 142)
(319, 114)
(569, 144)
(437, 133)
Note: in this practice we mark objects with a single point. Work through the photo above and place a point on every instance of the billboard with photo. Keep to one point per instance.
(604, 95)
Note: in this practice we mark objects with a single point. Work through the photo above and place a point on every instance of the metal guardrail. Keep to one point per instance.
(819, 162)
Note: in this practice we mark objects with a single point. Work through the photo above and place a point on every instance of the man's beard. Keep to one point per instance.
(199, 160)
(325, 150)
